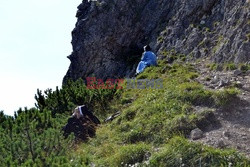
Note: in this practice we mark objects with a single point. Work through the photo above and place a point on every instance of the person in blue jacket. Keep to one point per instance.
(148, 59)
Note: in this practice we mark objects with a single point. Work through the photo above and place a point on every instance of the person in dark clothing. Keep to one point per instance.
(82, 123)
(75, 125)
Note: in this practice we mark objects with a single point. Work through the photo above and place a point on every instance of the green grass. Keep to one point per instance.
(224, 97)
(152, 120)
(171, 55)
(179, 152)
(219, 40)
(216, 24)
(160, 39)
(212, 66)
(230, 66)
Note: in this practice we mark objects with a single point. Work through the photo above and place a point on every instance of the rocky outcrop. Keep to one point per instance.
(219, 29)
(109, 34)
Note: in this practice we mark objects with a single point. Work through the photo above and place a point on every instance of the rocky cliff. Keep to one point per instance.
(109, 34)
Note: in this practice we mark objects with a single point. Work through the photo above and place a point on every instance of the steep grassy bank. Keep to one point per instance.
(154, 123)
(151, 130)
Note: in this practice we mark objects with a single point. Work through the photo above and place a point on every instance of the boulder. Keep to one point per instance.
(196, 134)
(237, 72)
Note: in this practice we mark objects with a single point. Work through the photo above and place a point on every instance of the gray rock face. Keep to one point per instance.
(109, 34)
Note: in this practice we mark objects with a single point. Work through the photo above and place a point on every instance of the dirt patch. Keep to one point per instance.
(232, 126)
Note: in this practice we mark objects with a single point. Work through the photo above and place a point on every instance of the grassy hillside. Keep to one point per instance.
(152, 129)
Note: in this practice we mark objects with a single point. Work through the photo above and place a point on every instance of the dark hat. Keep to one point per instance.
(147, 48)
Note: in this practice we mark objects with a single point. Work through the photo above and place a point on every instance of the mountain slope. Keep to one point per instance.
(155, 123)
(156, 126)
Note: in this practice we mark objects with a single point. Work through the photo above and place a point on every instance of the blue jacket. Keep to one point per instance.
(148, 59)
